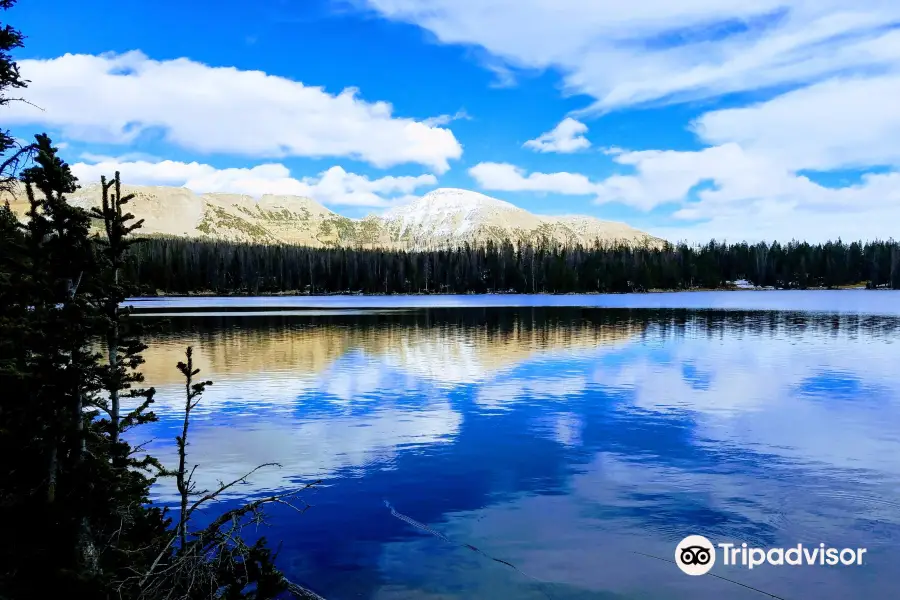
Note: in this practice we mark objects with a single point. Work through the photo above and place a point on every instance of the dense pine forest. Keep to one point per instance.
(180, 266)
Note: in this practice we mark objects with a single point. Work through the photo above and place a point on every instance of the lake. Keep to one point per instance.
(570, 436)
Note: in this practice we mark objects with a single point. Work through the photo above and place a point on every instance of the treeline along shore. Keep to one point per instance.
(187, 266)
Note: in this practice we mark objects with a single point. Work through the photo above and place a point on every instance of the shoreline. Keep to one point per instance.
(213, 294)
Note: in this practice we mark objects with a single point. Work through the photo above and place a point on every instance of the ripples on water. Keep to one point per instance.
(559, 439)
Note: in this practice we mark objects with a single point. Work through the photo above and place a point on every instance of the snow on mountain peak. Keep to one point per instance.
(447, 213)
(463, 200)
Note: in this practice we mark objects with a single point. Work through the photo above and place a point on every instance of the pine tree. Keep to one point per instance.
(73, 492)
(123, 344)
(55, 381)
(11, 153)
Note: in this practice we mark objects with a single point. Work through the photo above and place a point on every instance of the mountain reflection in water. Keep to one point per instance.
(561, 440)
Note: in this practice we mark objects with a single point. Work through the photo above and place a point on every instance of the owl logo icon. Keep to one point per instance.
(695, 555)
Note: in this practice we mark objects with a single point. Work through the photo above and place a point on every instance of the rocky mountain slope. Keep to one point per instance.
(444, 217)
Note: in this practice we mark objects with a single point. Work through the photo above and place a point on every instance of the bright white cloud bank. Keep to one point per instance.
(745, 197)
(839, 123)
(334, 186)
(566, 137)
(115, 98)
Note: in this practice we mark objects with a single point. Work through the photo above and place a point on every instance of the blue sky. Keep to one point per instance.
(692, 120)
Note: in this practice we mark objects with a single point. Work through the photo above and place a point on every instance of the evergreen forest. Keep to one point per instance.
(182, 266)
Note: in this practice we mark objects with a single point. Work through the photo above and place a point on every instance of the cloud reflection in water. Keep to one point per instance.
(560, 442)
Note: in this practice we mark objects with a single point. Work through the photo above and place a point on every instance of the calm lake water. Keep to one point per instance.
(564, 440)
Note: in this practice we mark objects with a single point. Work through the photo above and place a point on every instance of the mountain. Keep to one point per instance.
(444, 217)
(451, 216)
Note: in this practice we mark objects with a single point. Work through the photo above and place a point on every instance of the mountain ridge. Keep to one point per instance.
(443, 217)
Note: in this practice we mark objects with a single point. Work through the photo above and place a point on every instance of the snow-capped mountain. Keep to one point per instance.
(444, 217)
(450, 216)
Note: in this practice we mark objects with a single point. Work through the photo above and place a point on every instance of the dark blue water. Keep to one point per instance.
(562, 440)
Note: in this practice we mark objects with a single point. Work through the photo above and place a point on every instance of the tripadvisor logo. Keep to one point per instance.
(696, 555)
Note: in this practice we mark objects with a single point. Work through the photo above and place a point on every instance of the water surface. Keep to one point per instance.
(881, 302)
(562, 440)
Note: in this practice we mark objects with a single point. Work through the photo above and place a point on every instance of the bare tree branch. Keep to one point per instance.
(216, 557)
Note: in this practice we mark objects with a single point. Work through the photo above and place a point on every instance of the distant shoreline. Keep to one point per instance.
(212, 294)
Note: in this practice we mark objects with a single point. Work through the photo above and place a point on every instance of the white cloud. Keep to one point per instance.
(460, 115)
(509, 178)
(503, 75)
(840, 123)
(333, 186)
(624, 53)
(91, 157)
(115, 98)
(746, 196)
(565, 138)
(750, 194)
